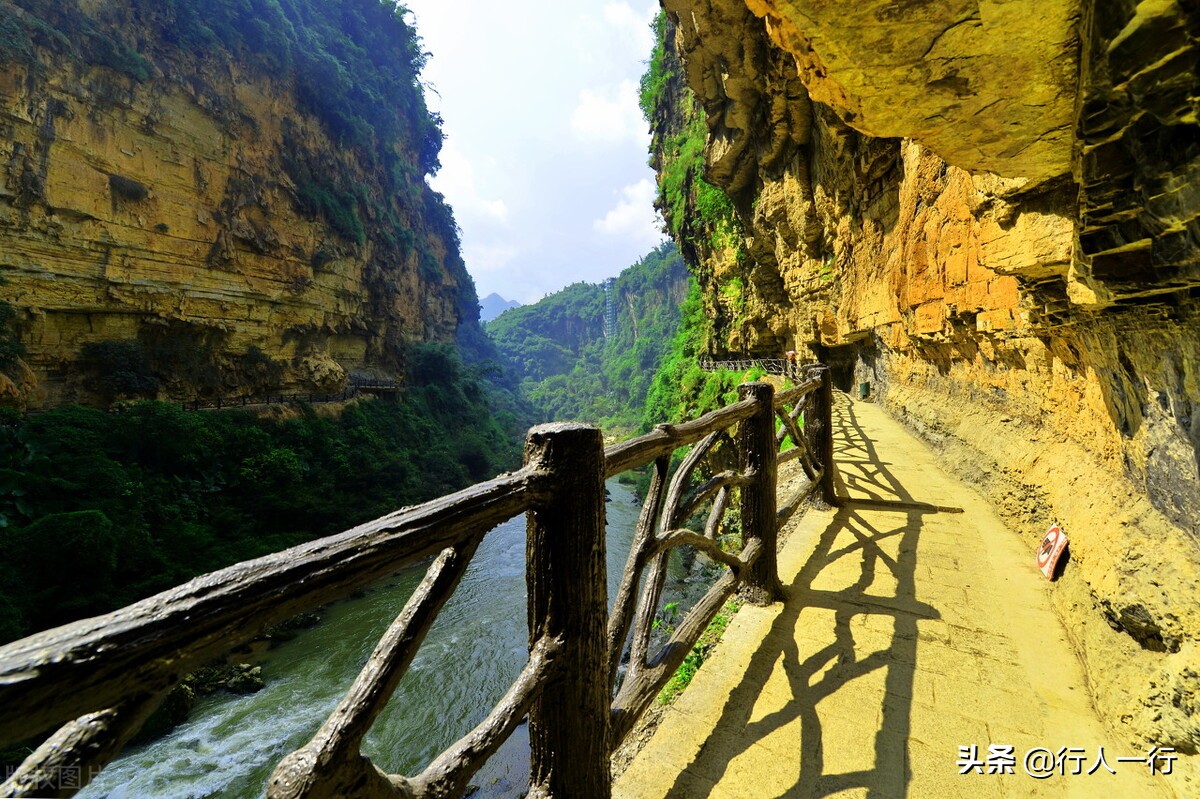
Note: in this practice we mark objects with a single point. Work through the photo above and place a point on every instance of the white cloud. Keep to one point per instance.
(456, 180)
(527, 189)
(630, 23)
(493, 257)
(634, 217)
(610, 115)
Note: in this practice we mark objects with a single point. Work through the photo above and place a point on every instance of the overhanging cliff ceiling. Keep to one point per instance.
(988, 86)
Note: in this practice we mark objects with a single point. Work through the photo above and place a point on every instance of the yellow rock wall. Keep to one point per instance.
(1011, 273)
(217, 249)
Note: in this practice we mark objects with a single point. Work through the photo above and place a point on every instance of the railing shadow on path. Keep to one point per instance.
(872, 632)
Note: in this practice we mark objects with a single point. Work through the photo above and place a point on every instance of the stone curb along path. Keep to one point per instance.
(916, 643)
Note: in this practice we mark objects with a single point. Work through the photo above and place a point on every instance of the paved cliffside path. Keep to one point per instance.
(911, 633)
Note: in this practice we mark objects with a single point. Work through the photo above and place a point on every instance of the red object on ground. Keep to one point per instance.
(1051, 550)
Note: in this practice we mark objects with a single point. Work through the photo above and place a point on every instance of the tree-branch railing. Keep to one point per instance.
(785, 367)
(97, 680)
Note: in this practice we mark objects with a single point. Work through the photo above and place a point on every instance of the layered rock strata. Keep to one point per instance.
(193, 204)
(992, 225)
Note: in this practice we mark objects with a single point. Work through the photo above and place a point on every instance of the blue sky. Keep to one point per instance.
(545, 155)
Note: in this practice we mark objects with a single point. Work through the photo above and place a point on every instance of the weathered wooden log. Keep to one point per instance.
(80, 668)
(713, 525)
(643, 539)
(683, 475)
(330, 764)
(704, 492)
(665, 439)
(68, 759)
(678, 538)
(360, 778)
(793, 396)
(800, 441)
(789, 455)
(639, 690)
(448, 775)
(822, 435)
(647, 610)
(565, 577)
(756, 444)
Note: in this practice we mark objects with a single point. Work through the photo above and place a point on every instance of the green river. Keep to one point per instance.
(472, 655)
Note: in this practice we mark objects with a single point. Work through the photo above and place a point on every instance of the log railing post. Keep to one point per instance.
(757, 448)
(821, 426)
(568, 599)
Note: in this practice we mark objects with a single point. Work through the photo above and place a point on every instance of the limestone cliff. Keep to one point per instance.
(990, 213)
(241, 195)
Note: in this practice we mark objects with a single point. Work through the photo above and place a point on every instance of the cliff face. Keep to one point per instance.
(194, 196)
(993, 221)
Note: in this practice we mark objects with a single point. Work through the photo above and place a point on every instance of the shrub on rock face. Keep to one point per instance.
(11, 349)
(258, 371)
(121, 369)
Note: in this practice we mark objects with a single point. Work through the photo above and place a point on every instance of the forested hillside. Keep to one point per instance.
(589, 352)
(221, 198)
(100, 509)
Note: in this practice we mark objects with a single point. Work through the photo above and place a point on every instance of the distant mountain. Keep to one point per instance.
(493, 305)
(589, 352)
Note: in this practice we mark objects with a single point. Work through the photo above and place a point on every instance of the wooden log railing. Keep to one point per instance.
(771, 366)
(229, 403)
(97, 680)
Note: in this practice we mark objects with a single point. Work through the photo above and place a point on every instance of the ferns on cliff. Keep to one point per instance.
(690, 204)
(703, 218)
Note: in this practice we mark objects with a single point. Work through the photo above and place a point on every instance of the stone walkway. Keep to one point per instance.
(917, 633)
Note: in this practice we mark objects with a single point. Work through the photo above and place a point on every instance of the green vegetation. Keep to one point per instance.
(325, 198)
(100, 509)
(567, 366)
(703, 218)
(356, 63)
(689, 203)
(546, 338)
(682, 158)
(681, 390)
(353, 65)
(734, 290)
(119, 370)
(661, 69)
(186, 359)
(704, 646)
(63, 28)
